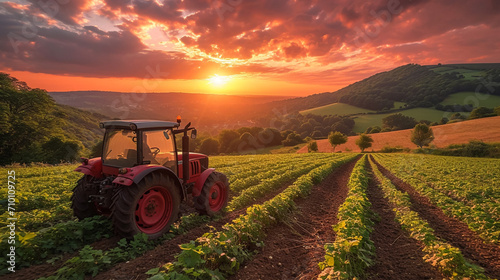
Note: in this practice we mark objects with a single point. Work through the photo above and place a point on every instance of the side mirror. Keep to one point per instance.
(193, 134)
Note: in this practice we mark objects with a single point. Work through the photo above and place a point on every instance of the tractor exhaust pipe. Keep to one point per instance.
(185, 155)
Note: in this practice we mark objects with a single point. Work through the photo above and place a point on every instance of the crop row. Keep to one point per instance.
(448, 259)
(48, 188)
(256, 174)
(269, 184)
(352, 251)
(431, 179)
(218, 254)
(91, 261)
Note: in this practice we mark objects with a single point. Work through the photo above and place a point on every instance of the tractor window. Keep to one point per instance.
(158, 148)
(120, 148)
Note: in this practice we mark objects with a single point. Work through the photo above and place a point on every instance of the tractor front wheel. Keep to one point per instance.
(214, 195)
(82, 206)
(149, 207)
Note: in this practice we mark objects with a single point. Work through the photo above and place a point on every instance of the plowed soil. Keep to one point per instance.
(136, 268)
(455, 232)
(398, 256)
(139, 266)
(293, 249)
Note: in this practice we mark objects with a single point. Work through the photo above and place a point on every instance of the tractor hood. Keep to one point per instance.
(191, 156)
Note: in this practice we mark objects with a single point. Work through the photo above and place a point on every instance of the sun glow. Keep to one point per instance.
(218, 81)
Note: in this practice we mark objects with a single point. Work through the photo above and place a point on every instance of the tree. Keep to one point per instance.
(292, 139)
(312, 146)
(364, 141)
(226, 137)
(209, 146)
(398, 121)
(481, 112)
(58, 149)
(422, 135)
(336, 138)
(316, 134)
(270, 137)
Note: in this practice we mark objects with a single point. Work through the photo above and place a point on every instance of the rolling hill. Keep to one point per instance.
(486, 130)
(413, 84)
(207, 111)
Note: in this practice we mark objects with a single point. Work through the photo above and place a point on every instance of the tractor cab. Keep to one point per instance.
(140, 178)
(132, 143)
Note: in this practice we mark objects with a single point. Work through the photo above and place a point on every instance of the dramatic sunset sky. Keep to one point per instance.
(277, 47)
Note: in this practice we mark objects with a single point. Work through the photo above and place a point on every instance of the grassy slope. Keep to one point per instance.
(486, 129)
(336, 109)
(477, 99)
(433, 115)
(80, 125)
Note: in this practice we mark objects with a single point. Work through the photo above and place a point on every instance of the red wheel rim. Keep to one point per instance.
(217, 196)
(153, 210)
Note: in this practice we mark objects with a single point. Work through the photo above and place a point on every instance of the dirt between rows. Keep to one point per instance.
(164, 253)
(294, 248)
(398, 256)
(132, 269)
(452, 230)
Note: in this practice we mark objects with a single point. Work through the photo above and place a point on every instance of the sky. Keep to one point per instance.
(266, 47)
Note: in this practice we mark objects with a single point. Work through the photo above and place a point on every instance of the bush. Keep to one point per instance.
(481, 112)
(312, 146)
(389, 149)
(209, 146)
(292, 139)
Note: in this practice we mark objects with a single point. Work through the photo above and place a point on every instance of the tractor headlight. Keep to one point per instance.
(123, 170)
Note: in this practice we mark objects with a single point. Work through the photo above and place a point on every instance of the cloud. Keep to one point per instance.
(283, 38)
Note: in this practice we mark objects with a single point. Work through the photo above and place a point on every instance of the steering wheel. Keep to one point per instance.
(155, 151)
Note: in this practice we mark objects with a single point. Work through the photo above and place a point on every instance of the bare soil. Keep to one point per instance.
(46, 269)
(294, 248)
(455, 232)
(485, 129)
(398, 256)
(164, 253)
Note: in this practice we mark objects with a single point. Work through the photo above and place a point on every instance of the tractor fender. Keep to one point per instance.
(198, 186)
(92, 167)
(136, 174)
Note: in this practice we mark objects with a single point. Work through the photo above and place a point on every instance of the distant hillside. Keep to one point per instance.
(413, 84)
(486, 130)
(203, 110)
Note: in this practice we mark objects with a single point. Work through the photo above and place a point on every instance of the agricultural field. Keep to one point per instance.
(485, 129)
(477, 99)
(362, 122)
(289, 216)
(336, 109)
(469, 74)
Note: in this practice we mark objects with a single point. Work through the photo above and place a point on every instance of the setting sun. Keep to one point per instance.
(218, 81)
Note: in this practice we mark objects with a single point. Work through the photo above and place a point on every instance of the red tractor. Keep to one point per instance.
(141, 178)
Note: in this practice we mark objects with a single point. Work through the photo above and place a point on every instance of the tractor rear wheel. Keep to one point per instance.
(82, 206)
(149, 207)
(214, 195)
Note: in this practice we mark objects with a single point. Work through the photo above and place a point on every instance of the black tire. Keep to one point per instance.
(80, 201)
(214, 195)
(155, 199)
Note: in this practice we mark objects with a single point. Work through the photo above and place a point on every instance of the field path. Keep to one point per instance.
(457, 233)
(485, 129)
(398, 256)
(164, 253)
(294, 248)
